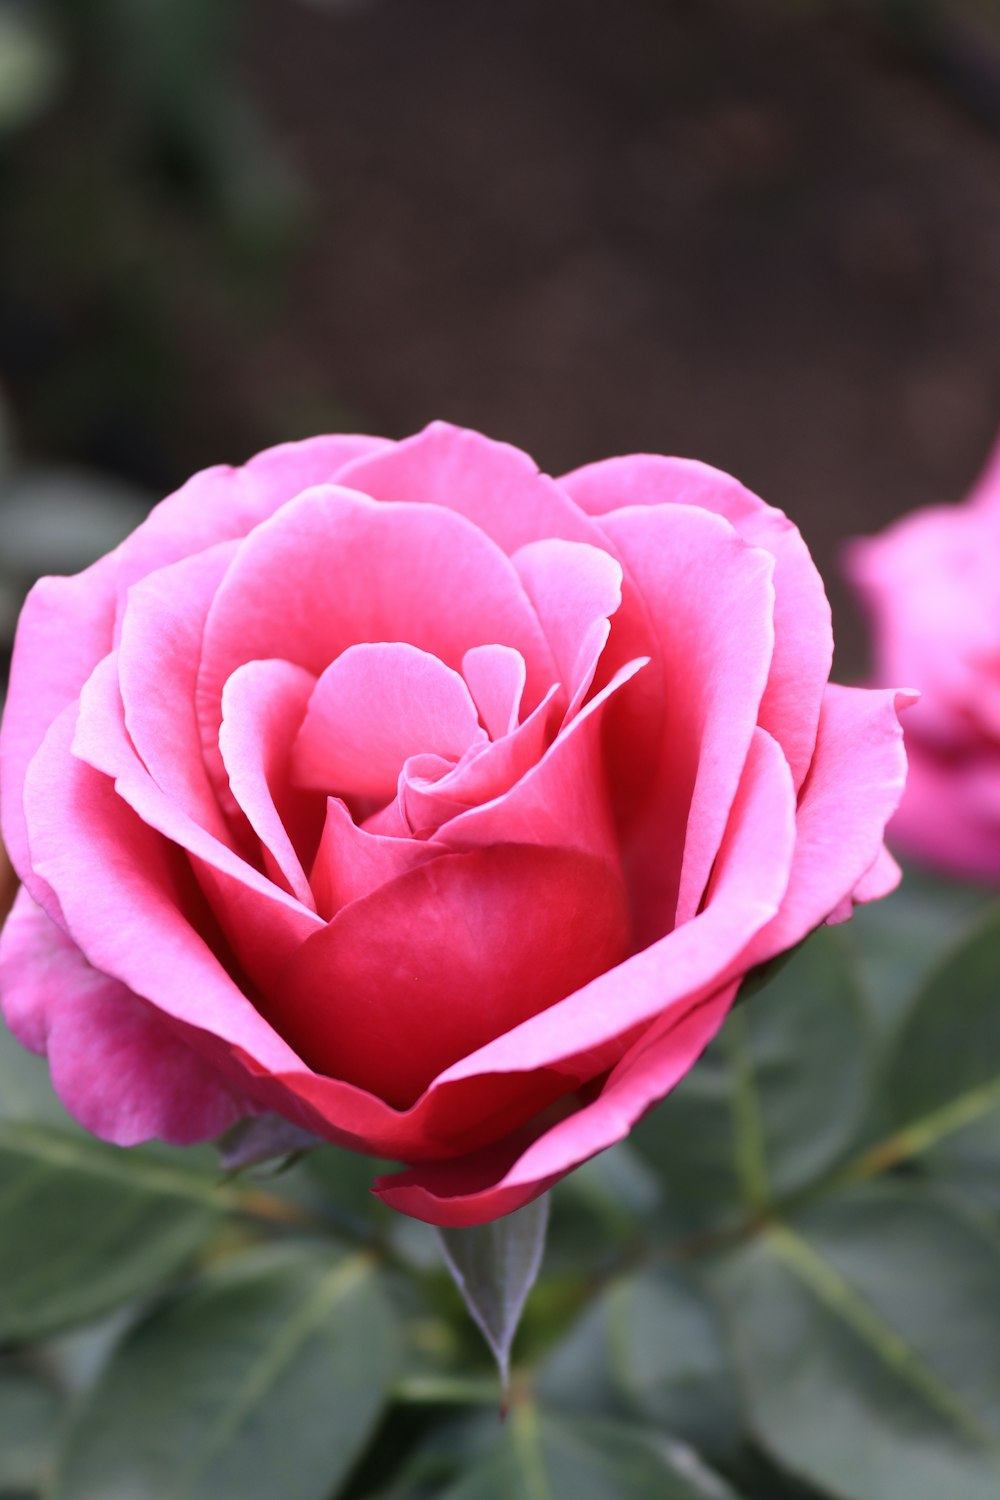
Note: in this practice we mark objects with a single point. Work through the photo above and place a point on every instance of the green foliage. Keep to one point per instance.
(786, 1286)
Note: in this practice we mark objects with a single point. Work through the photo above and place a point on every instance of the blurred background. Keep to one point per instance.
(765, 233)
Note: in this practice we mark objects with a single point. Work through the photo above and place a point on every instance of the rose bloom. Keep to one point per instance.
(432, 803)
(931, 586)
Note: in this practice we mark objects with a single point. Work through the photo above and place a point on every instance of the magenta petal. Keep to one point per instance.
(263, 705)
(803, 636)
(429, 968)
(372, 708)
(473, 1190)
(495, 486)
(352, 862)
(118, 1068)
(710, 600)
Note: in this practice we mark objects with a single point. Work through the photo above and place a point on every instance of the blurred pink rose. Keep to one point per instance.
(434, 804)
(931, 584)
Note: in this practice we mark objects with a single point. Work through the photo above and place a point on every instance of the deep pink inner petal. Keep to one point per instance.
(433, 965)
(351, 862)
(372, 708)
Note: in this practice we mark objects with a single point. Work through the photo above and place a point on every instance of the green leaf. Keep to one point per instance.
(30, 1411)
(544, 1457)
(943, 1083)
(651, 1347)
(87, 1227)
(775, 1101)
(495, 1266)
(867, 1341)
(265, 1379)
(897, 940)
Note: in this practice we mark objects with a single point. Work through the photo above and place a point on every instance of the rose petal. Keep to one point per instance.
(478, 942)
(263, 705)
(118, 1068)
(495, 676)
(852, 790)
(67, 624)
(714, 663)
(334, 569)
(372, 708)
(494, 485)
(478, 1189)
(351, 862)
(803, 634)
(261, 921)
(575, 588)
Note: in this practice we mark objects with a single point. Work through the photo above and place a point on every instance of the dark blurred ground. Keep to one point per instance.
(764, 234)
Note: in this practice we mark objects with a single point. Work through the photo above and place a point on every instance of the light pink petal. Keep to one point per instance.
(575, 589)
(352, 862)
(158, 654)
(118, 1068)
(852, 791)
(263, 705)
(263, 923)
(428, 969)
(881, 879)
(223, 503)
(479, 1189)
(949, 817)
(80, 824)
(710, 600)
(333, 569)
(67, 624)
(803, 636)
(495, 486)
(495, 676)
(377, 704)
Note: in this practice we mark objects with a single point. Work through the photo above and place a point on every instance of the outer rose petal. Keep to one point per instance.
(803, 634)
(494, 485)
(67, 624)
(853, 789)
(116, 1065)
(476, 1190)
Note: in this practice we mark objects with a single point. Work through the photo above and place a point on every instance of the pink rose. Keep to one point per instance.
(931, 584)
(437, 805)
